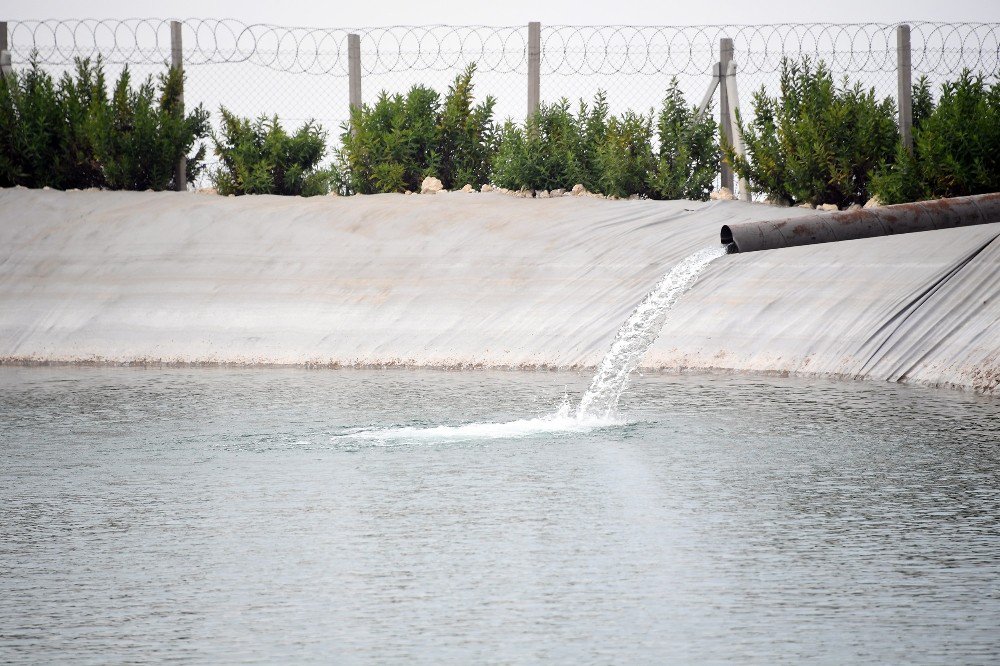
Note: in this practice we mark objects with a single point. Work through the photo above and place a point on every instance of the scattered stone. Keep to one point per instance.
(231, 196)
(854, 206)
(828, 207)
(407, 192)
(524, 194)
(634, 197)
(722, 194)
(431, 185)
(486, 188)
(874, 202)
(207, 190)
(541, 194)
(468, 188)
(46, 188)
(557, 192)
(578, 189)
(806, 205)
(333, 193)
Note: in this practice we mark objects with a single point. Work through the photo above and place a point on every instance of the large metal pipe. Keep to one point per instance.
(864, 223)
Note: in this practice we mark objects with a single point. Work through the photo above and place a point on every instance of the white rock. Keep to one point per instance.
(874, 202)
(854, 206)
(634, 197)
(431, 185)
(486, 188)
(468, 188)
(578, 189)
(721, 194)
(806, 205)
(46, 188)
(828, 207)
(541, 194)
(557, 192)
(333, 193)
(207, 190)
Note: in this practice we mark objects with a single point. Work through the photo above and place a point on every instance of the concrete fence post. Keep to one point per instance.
(177, 62)
(732, 92)
(534, 66)
(5, 64)
(354, 70)
(904, 77)
(725, 57)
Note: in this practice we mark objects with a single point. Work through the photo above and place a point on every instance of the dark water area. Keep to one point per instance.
(220, 515)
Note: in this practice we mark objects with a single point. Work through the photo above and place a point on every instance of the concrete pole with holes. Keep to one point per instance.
(177, 62)
(904, 77)
(534, 66)
(725, 57)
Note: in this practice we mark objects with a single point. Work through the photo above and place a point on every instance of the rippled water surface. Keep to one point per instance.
(277, 516)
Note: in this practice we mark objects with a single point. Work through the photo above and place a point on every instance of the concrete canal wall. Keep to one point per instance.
(469, 280)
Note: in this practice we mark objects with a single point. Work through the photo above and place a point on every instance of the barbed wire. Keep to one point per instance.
(937, 48)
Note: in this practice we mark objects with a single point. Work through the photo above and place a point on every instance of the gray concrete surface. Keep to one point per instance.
(478, 280)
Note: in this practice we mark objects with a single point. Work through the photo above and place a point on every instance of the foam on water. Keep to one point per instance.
(599, 405)
(563, 420)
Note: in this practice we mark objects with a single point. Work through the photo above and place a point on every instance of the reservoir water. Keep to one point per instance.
(263, 515)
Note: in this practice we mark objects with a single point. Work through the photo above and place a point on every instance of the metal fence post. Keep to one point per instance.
(725, 57)
(904, 77)
(534, 66)
(5, 64)
(177, 62)
(354, 70)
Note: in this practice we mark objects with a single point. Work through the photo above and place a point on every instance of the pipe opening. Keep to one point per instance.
(726, 238)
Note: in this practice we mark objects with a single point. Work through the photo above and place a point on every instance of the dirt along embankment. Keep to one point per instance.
(470, 280)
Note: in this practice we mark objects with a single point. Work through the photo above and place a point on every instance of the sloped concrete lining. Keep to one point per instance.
(470, 280)
(864, 223)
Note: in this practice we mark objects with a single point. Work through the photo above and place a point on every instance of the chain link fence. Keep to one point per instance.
(302, 73)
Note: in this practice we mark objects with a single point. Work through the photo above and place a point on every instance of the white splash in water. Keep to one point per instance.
(561, 421)
(638, 332)
(599, 404)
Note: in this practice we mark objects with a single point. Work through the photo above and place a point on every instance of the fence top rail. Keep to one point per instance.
(938, 48)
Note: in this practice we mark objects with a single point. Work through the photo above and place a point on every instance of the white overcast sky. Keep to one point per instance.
(331, 13)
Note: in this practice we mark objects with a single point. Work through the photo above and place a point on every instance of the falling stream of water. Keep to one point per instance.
(599, 404)
(638, 332)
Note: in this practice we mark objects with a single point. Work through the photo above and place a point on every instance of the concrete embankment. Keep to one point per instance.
(478, 280)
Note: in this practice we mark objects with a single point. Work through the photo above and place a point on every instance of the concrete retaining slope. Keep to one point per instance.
(478, 280)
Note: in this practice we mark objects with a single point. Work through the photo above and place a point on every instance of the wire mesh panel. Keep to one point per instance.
(301, 73)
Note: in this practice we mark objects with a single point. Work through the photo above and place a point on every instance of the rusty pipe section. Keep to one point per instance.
(864, 223)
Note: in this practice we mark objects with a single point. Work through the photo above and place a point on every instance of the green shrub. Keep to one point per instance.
(554, 149)
(611, 155)
(392, 145)
(817, 142)
(689, 154)
(70, 135)
(625, 158)
(260, 157)
(956, 144)
(142, 134)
